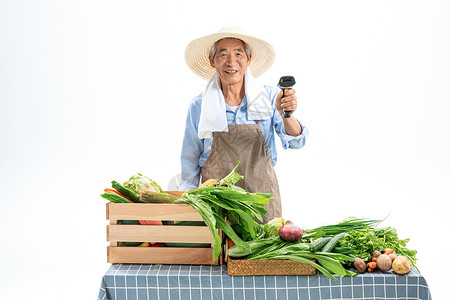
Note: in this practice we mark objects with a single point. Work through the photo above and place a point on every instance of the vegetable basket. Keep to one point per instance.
(268, 267)
(246, 267)
(186, 238)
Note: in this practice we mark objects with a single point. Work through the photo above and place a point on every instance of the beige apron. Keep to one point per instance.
(245, 143)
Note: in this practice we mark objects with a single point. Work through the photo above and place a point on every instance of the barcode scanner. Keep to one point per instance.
(286, 83)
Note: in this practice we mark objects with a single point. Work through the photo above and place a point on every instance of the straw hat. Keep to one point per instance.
(197, 52)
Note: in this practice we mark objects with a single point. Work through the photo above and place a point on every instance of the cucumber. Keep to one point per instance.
(343, 250)
(319, 244)
(333, 242)
(115, 198)
(184, 223)
(126, 192)
(189, 223)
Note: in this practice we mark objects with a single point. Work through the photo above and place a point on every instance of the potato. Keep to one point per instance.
(401, 265)
(384, 262)
(375, 254)
(359, 264)
(393, 256)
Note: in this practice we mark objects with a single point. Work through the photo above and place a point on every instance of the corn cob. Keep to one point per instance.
(209, 182)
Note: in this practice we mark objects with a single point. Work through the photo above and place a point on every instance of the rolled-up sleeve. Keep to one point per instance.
(292, 142)
(287, 141)
(191, 150)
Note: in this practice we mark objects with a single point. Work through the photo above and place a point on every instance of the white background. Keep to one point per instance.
(94, 91)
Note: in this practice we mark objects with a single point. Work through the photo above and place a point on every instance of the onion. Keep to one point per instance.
(290, 232)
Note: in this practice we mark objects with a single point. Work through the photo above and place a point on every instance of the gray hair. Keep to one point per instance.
(213, 50)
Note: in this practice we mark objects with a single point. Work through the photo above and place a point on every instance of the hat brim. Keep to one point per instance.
(197, 54)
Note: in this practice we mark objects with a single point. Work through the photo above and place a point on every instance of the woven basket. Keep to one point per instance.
(243, 267)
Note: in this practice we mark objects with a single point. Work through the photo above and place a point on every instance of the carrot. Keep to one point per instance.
(150, 222)
(372, 265)
(388, 251)
(113, 191)
(374, 259)
(369, 269)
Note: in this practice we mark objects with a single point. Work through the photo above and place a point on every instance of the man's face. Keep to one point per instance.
(230, 61)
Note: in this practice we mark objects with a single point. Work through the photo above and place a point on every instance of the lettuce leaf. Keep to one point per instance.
(140, 183)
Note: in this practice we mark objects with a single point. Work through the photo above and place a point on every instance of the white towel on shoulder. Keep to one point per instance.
(213, 114)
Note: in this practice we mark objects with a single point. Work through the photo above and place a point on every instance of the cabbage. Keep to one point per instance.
(275, 225)
(140, 183)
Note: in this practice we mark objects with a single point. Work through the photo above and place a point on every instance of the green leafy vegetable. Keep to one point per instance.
(274, 225)
(349, 224)
(275, 248)
(362, 243)
(231, 178)
(352, 237)
(140, 183)
(214, 203)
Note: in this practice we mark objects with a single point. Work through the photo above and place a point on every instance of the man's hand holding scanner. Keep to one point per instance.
(288, 103)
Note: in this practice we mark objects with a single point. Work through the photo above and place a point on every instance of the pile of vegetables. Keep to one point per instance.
(284, 240)
(384, 261)
(336, 248)
(363, 243)
(138, 189)
(332, 249)
(216, 201)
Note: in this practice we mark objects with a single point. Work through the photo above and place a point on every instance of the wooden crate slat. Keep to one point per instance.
(161, 255)
(162, 234)
(150, 211)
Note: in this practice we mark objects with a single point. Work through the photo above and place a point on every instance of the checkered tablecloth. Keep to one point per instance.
(134, 281)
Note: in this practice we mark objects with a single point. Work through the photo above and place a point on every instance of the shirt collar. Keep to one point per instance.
(243, 105)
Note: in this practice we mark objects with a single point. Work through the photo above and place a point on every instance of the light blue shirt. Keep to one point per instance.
(195, 151)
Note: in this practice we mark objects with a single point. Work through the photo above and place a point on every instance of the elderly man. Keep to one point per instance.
(235, 118)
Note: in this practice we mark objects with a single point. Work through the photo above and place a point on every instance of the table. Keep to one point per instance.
(134, 281)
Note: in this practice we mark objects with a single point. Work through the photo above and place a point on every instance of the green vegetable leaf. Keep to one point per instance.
(231, 234)
(332, 265)
(304, 260)
(231, 178)
(210, 220)
(140, 183)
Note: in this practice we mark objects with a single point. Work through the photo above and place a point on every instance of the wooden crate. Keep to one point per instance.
(116, 233)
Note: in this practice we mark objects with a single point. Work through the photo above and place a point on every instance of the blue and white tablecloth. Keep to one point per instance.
(134, 281)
